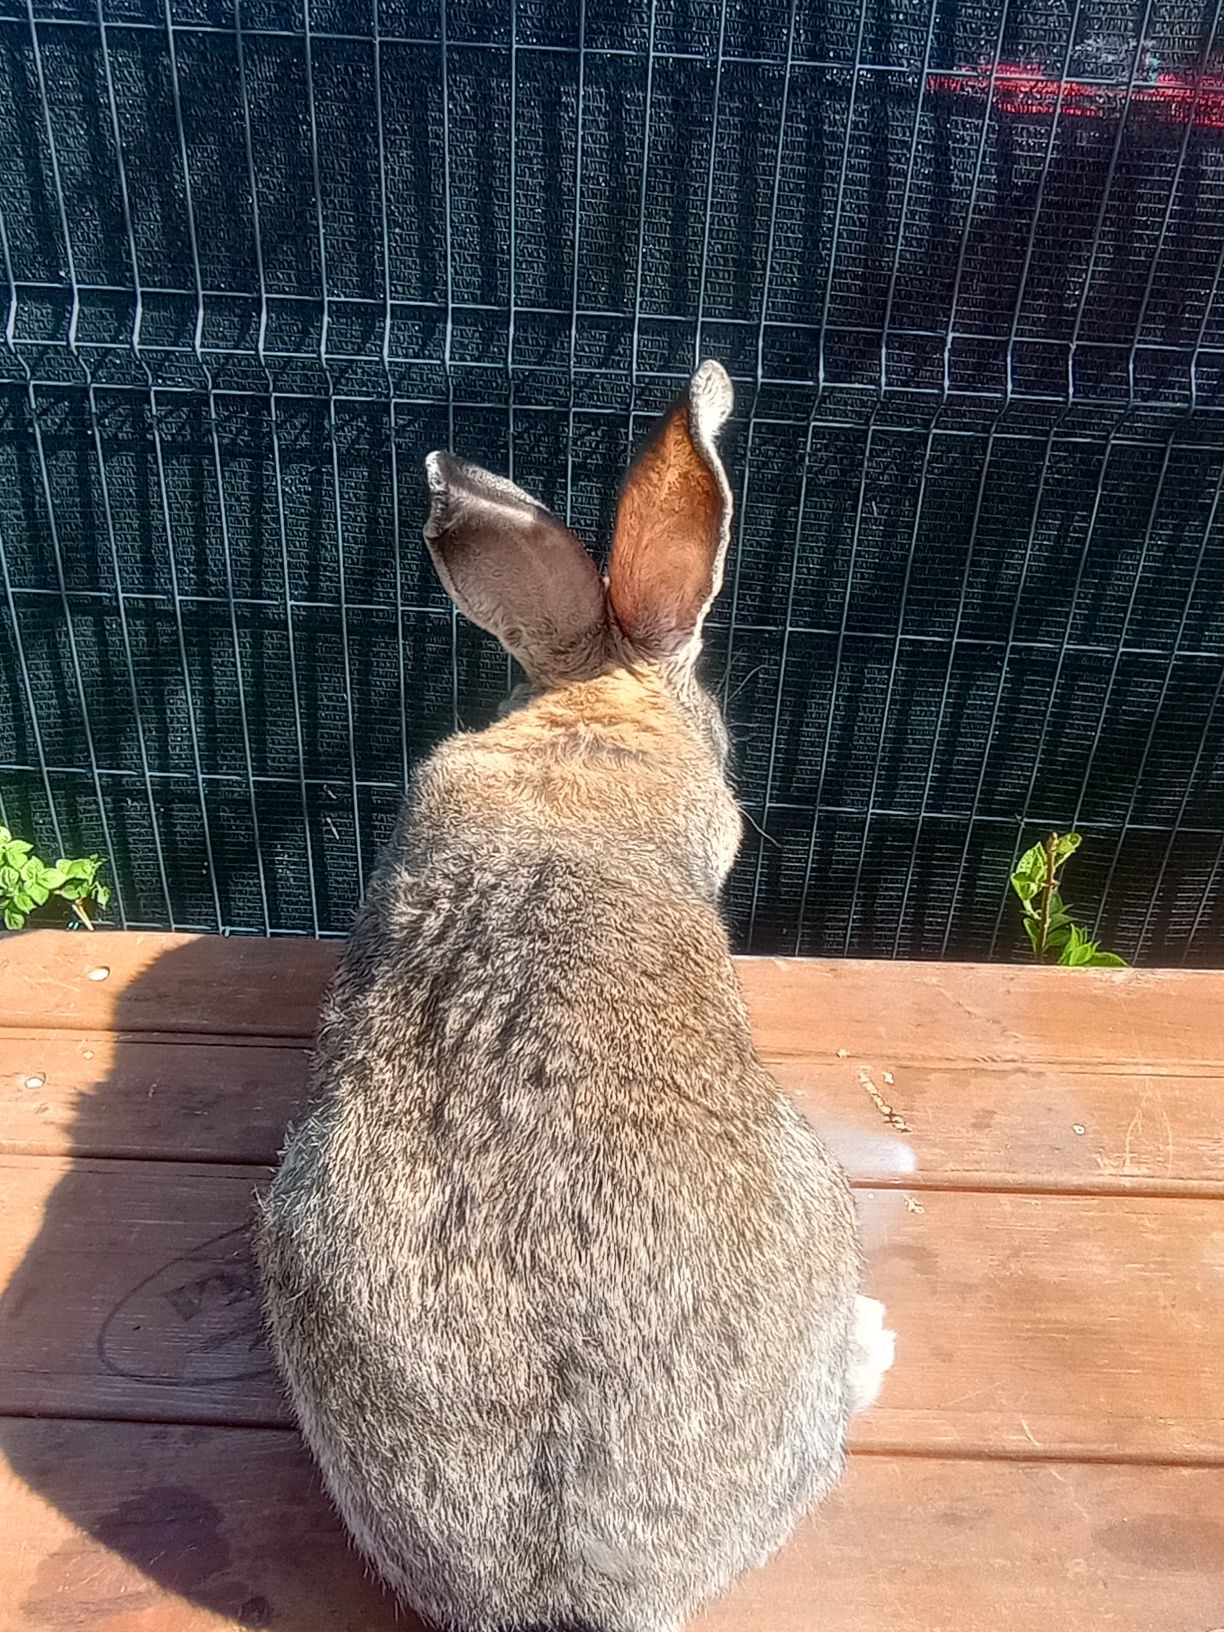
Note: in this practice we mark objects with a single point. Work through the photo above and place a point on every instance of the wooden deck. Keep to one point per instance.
(1039, 1157)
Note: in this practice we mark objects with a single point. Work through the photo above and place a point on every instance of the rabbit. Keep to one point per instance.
(564, 1289)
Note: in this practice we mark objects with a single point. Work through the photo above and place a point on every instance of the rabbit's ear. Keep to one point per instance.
(673, 524)
(514, 569)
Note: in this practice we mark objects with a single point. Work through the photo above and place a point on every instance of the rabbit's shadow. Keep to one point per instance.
(228, 1516)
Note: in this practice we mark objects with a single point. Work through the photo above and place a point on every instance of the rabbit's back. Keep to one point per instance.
(561, 1282)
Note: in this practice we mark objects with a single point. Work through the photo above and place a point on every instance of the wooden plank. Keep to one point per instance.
(1030, 1128)
(1026, 1325)
(137, 1528)
(98, 1095)
(145, 1529)
(129, 1292)
(1040, 1128)
(881, 1013)
(971, 1013)
(141, 983)
(1049, 1324)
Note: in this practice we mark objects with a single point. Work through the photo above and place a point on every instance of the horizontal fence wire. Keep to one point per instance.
(962, 260)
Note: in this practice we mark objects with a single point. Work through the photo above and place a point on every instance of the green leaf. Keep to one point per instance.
(1033, 930)
(75, 869)
(1070, 940)
(23, 901)
(1032, 864)
(1107, 960)
(73, 889)
(8, 878)
(38, 893)
(13, 919)
(53, 877)
(102, 894)
(1026, 888)
(5, 835)
(18, 847)
(1068, 844)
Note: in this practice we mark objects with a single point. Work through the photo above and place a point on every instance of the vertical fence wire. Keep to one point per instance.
(758, 382)
(512, 252)
(1207, 898)
(575, 251)
(104, 484)
(333, 437)
(708, 225)
(839, 654)
(919, 500)
(1030, 245)
(448, 338)
(211, 871)
(1009, 648)
(937, 735)
(643, 182)
(1032, 795)
(1077, 809)
(1173, 193)
(25, 680)
(397, 544)
(1204, 324)
(180, 131)
(1031, 792)
(282, 526)
(1175, 652)
(1102, 213)
(1013, 338)
(1156, 892)
(53, 530)
(907, 573)
(745, 488)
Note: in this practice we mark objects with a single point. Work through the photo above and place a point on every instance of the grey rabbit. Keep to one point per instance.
(564, 1289)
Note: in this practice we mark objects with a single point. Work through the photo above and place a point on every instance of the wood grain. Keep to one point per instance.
(879, 1012)
(99, 1095)
(131, 1528)
(1027, 1325)
(1039, 1128)
(1041, 1214)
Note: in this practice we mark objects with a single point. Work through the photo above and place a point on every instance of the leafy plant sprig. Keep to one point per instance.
(27, 882)
(1054, 935)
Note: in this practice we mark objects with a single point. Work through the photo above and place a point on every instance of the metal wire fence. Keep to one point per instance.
(260, 255)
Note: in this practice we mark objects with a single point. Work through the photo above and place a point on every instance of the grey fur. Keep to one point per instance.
(561, 1284)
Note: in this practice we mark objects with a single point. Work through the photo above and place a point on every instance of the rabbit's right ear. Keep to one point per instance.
(510, 566)
(673, 525)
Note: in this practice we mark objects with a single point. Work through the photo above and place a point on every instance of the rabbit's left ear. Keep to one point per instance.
(673, 525)
(513, 568)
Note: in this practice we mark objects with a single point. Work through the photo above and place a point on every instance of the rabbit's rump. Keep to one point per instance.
(563, 1353)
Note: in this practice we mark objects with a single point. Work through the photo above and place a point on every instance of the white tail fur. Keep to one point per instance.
(872, 1351)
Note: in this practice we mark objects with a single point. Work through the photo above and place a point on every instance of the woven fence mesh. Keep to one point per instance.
(259, 256)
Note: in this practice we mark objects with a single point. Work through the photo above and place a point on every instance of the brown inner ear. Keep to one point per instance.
(667, 529)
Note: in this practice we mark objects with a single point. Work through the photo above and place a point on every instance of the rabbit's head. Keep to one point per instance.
(592, 646)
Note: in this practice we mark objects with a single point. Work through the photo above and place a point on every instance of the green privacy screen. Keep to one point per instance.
(963, 261)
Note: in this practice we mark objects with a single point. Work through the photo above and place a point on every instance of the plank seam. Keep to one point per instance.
(1135, 1188)
(898, 1452)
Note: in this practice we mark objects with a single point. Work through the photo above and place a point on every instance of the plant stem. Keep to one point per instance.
(79, 908)
(1047, 897)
